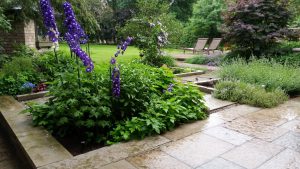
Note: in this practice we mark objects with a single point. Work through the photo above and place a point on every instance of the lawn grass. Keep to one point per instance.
(101, 54)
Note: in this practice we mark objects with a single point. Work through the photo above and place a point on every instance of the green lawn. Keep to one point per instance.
(101, 54)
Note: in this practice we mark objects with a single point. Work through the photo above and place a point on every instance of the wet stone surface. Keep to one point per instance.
(157, 160)
(287, 159)
(220, 163)
(196, 149)
(290, 140)
(253, 153)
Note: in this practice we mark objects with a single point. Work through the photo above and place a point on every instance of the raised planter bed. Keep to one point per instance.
(31, 96)
(41, 150)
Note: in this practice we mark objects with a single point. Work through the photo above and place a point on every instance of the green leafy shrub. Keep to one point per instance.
(159, 60)
(83, 109)
(205, 22)
(49, 65)
(163, 113)
(15, 73)
(139, 82)
(263, 72)
(10, 85)
(282, 52)
(252, 26)
(153, 28)
(88, 108)
(246, 93)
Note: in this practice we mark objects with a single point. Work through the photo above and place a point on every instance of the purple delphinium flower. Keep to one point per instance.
(121, 48)
(116, 82)
(170, 87)
(49, 20)
(113, 61)
(72, 25)
(75, 36)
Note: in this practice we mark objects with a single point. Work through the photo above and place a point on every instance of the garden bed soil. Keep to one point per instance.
(76, 146)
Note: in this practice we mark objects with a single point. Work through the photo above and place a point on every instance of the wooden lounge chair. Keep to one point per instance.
(213, 45)
(198, 47)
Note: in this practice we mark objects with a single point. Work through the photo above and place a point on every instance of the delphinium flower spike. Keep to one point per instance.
(49, 21)
(115, 77)
(75, 36)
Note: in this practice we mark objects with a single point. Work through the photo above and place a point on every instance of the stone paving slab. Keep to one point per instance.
(213, 103)
(227, 135)
(253, 153)
(157, 159)
(192, 128)
(264, 124)
(290, 140)
(220, 163)
(123, 164)
(293, 125)
(196, 149)
(106, 155)
(287, 159)
(234, 112)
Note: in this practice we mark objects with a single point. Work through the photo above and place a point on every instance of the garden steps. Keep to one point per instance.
(35, 145)
(187, 65)
(214, 104)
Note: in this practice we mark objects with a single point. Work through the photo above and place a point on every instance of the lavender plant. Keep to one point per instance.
(76, 36)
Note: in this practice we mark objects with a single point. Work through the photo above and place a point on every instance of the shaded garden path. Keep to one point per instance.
(8, 160)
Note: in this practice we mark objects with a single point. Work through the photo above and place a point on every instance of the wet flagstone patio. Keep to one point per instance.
(236, 137)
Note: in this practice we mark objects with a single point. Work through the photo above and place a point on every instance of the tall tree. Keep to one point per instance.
(183, 9)
(206, 20)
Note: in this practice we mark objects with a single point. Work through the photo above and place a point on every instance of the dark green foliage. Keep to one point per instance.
(83, 110)
(183, 104)
(183, 9)
(139, 82)
(283, 53)
(11, 85)
(96, 116)
(206, 21)
(246, 93)
(252, 26)
(272, 75)
(49, 65)
(4, 23)
(159, 60)
(19, 51)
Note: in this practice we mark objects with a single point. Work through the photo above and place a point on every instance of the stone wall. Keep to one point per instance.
(21, 33)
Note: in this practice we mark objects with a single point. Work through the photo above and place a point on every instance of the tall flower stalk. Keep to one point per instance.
(49, 21)
(115, 70)
(76, 36)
